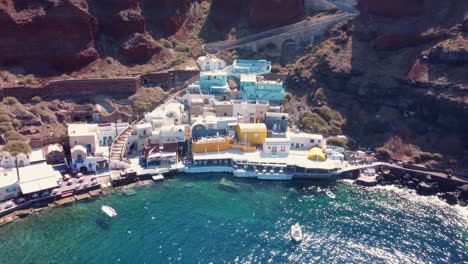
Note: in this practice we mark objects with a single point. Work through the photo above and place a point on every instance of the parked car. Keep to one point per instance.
(21, 200)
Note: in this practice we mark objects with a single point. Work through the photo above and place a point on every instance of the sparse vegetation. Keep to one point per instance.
(383, 153)
(17, 146)
(4, 118)
(166, 43)
(36, 100)
(10, 100)
(338, 141)
(5, 127)
(13, 135)
(180, 47)
(109, 60)
(319, 94)
(275, 68)
(30, 79)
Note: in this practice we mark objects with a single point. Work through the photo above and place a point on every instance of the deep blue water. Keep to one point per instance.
(189, 219)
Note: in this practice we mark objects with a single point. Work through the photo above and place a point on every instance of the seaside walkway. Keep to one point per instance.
(351, 168)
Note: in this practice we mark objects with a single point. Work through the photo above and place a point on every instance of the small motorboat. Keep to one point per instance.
(158, 177)
(296, 232)
(330, 194)
(109, 211)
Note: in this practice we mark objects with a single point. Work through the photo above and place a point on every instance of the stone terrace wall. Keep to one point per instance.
(168, 79)
(70, 88)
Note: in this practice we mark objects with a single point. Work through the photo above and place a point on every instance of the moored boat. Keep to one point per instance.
(109, 211)
(296, 232)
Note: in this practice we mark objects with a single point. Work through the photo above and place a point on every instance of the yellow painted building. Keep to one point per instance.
(211, 145)
(253, 134)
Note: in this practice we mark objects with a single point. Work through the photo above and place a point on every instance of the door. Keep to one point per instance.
(274, 150)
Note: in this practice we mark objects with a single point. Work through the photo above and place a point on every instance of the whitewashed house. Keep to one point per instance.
(210, 63)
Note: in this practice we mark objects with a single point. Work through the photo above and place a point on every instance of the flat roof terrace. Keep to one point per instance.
(294, 158)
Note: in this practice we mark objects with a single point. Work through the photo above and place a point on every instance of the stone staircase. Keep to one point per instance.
(118, 153)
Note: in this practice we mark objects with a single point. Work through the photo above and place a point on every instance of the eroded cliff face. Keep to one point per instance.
(65, 34)
(259, 13)
(60, 33)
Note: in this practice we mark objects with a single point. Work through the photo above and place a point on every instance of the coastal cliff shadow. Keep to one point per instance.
(371, 93)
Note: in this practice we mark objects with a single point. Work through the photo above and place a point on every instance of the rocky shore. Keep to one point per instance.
(451, 191)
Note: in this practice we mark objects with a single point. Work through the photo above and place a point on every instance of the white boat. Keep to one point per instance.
(109, 211)
(296, 232)
(158, 177)
(330, 194)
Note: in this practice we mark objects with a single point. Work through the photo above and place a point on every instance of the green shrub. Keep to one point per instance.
(36, 99)
(166, 43)
(320, 95)
(275, 68)
(35, 110)
(13, 135)
(17, 146)
(313, 122)
(181, 47)
(5, 126)
(383, 153)
(30, 79)
(328, 114)
(338, 141)
(4, 118)
(10, 100)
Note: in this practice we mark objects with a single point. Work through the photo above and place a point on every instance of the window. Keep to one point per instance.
(302, 145)
(144, 132)
(90, 165)
(225, 114)
(312, 141)
(292, 144)
(319, 141)
(283, 148)
(269, 147)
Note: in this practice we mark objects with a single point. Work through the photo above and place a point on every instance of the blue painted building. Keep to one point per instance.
(257, 88)
(213, 82)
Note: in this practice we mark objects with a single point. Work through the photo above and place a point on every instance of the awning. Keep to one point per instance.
(38, 185)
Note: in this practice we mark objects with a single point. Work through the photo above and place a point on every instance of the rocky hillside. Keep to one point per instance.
(397, 74)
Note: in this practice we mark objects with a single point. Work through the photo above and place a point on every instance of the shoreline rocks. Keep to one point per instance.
(425, 185)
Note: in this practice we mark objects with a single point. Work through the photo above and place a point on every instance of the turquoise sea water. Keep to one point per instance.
(189, 219)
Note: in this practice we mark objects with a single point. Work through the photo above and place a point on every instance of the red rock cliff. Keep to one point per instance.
(57, 32)
(63, 33)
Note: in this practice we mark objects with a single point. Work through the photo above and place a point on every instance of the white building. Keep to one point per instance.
(169, 114)
(8, 161)
(171, 134)
(277, 146)
(9, 187)
(90, 142)
(305, 141)
(35, 178)
(210, 63)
